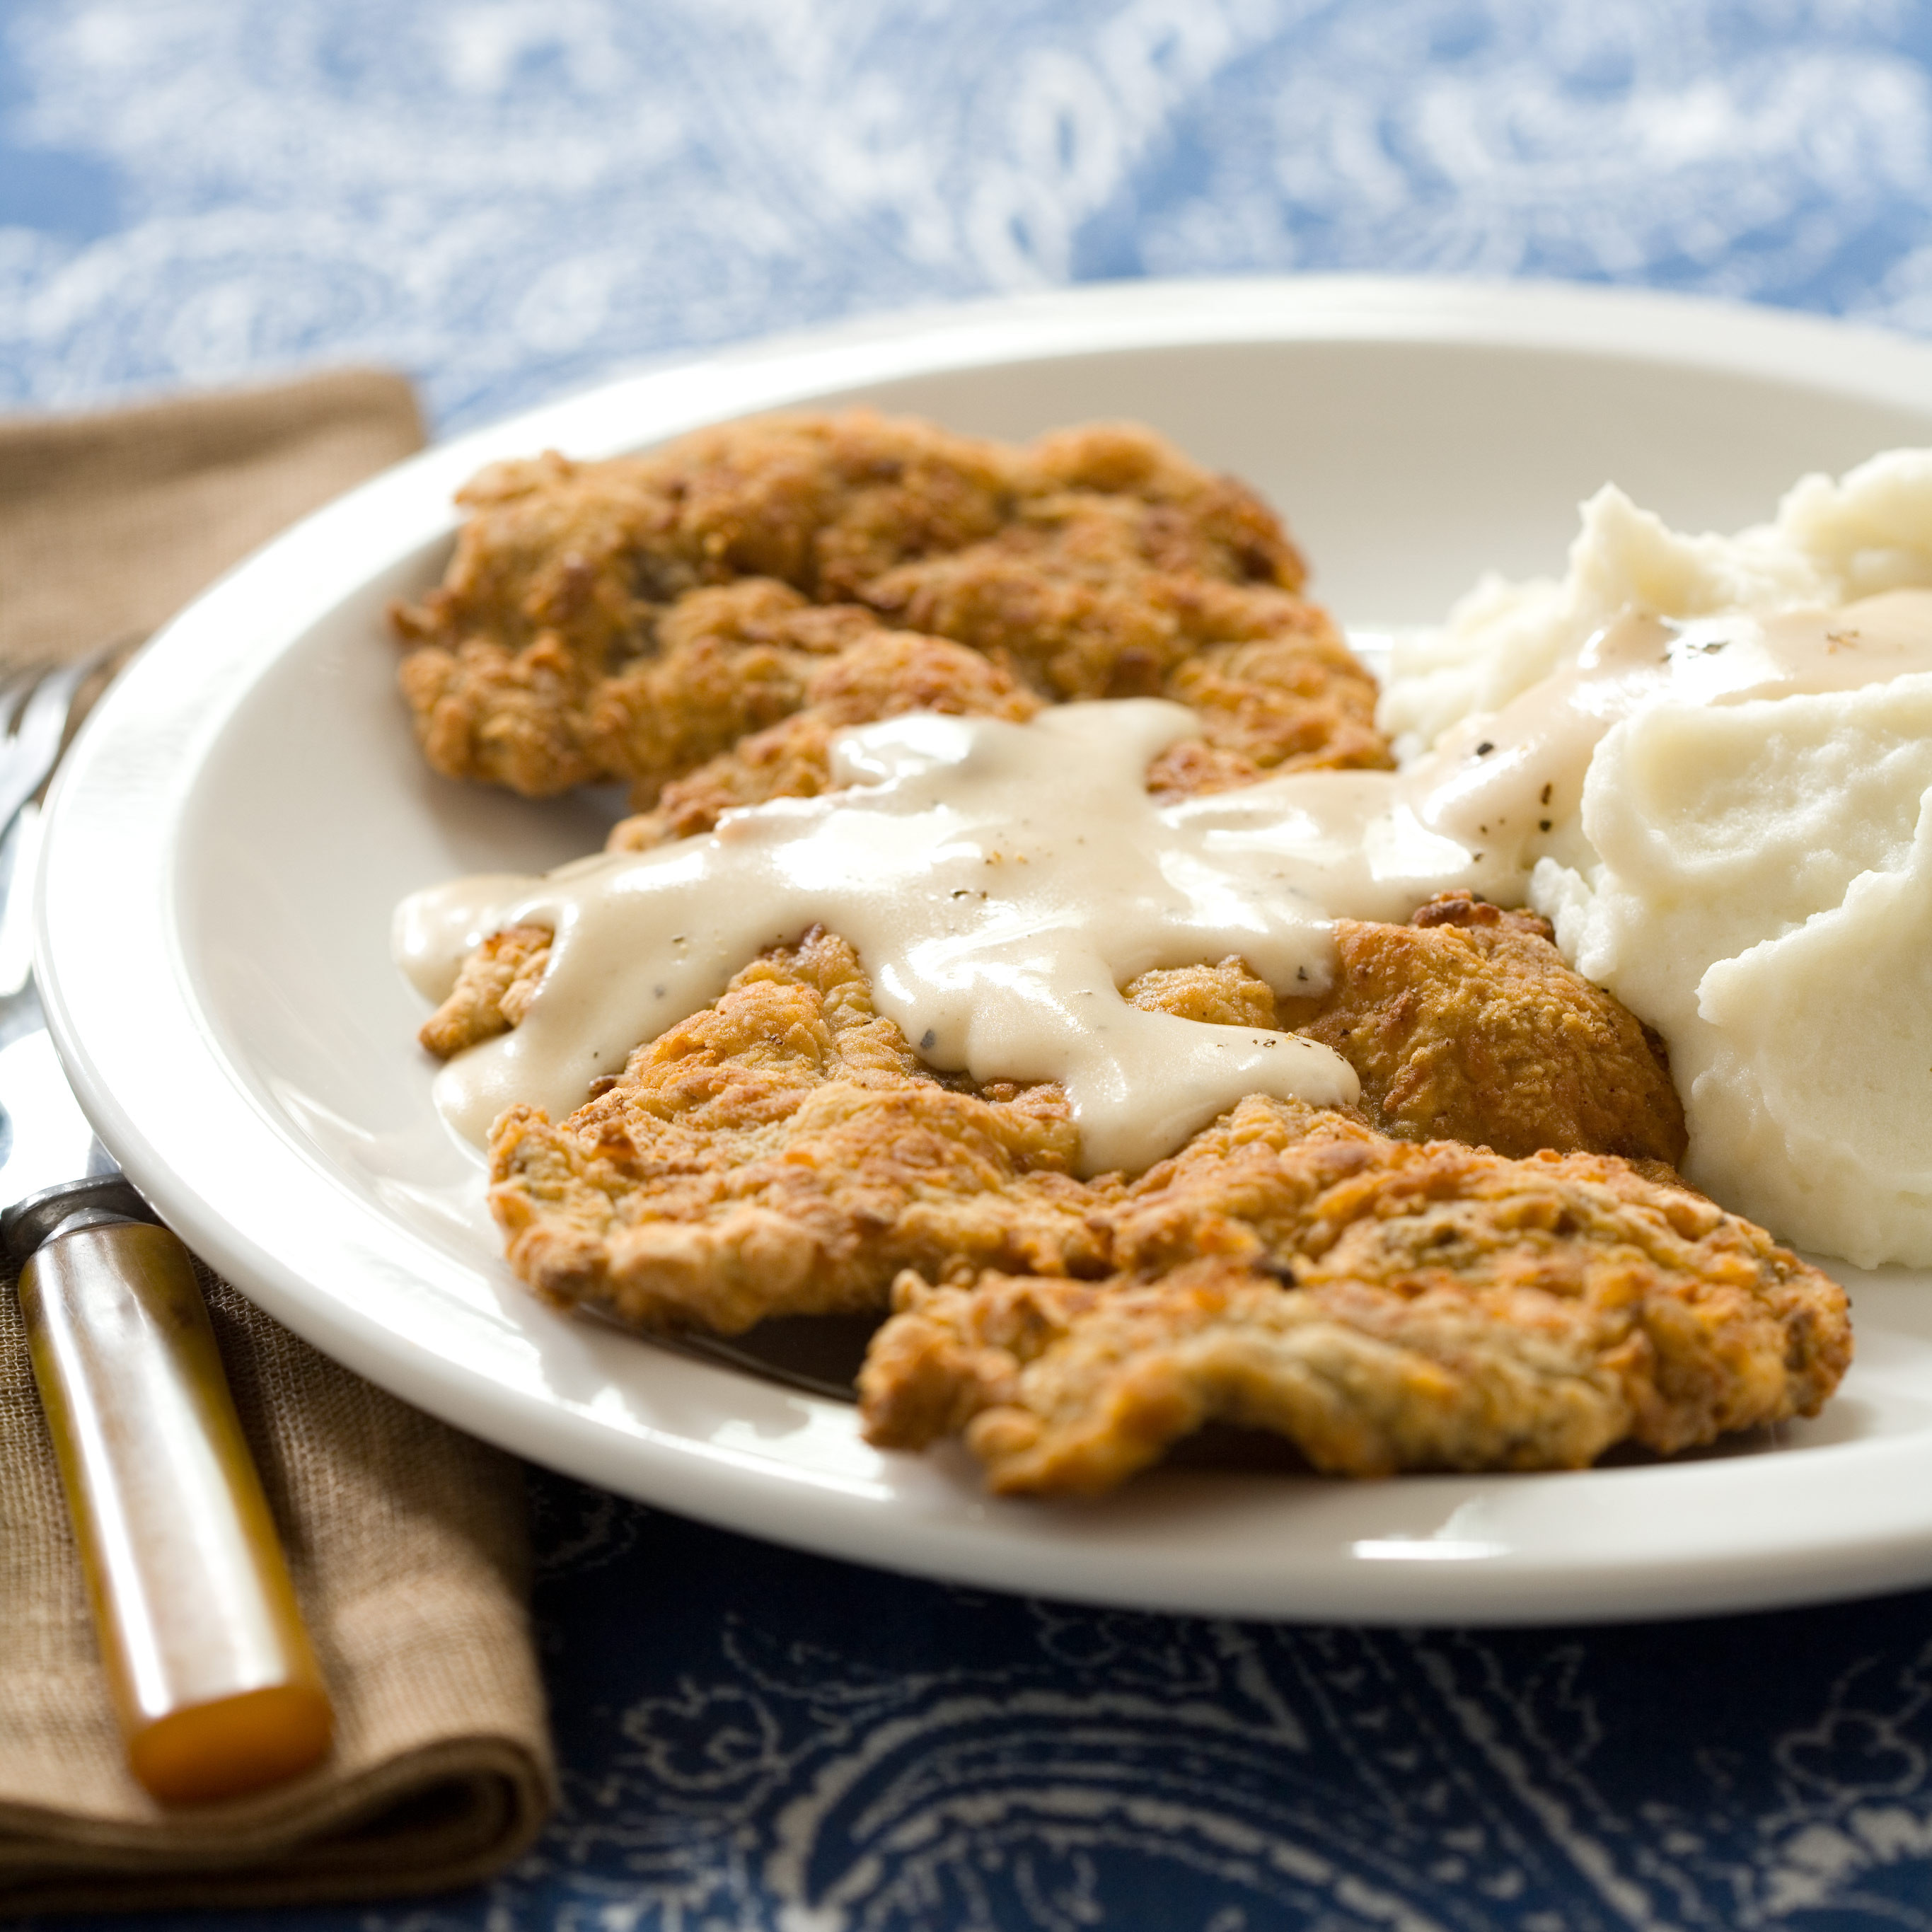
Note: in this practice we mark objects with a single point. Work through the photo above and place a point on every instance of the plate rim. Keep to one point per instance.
(158, 721)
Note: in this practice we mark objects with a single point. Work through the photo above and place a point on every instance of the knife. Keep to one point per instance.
(212, 1675)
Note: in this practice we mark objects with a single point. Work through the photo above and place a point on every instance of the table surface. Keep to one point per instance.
(509, 198)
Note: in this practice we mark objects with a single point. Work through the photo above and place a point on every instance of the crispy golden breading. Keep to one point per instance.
(728, 662)
(1267, 706)
(1100, 596)
(1228, 994)
(493, 990)
(1466, 1025)
(785, 1153)
(883, 675)
(1382, 1305)
(634, 618)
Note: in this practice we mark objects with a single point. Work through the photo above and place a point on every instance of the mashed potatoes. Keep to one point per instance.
(1754, 878)
(1763, 897)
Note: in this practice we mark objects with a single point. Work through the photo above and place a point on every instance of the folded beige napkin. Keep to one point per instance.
(406, 1539)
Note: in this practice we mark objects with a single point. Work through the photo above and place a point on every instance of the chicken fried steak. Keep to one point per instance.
(1384, 1304)
(633, 619)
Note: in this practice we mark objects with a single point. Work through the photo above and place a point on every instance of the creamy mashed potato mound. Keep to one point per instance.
(1763, 897)
(1753, 878)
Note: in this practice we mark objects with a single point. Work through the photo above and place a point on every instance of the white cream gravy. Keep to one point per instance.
(1501, 781)
(1001, 882)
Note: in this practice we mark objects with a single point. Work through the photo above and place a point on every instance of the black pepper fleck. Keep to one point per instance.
(1483, 750)
(928, 1040)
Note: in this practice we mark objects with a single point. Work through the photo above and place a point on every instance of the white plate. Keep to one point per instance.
(236, 822)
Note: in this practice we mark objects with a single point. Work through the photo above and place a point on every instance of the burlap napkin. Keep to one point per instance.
(407, 1541)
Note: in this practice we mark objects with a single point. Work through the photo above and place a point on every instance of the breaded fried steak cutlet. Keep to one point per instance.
(639, 618)
(1383, 1304)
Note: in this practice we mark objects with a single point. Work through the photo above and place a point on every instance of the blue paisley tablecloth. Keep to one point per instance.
(507, 196)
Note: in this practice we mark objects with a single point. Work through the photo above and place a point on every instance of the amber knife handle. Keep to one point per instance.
(212, 1674)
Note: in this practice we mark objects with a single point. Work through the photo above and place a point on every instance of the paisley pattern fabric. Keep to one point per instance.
(509, 197)
(759, 1739)
(506, 197)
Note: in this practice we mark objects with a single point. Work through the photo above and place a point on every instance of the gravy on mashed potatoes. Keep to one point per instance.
(1747, 861)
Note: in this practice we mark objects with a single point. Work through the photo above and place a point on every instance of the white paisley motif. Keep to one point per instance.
(1042, 1766)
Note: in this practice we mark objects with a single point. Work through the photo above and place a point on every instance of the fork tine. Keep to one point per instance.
(16, 687)
(27, 755)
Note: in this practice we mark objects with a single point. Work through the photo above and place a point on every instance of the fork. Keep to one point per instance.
(36, 702)
(211, 1673)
